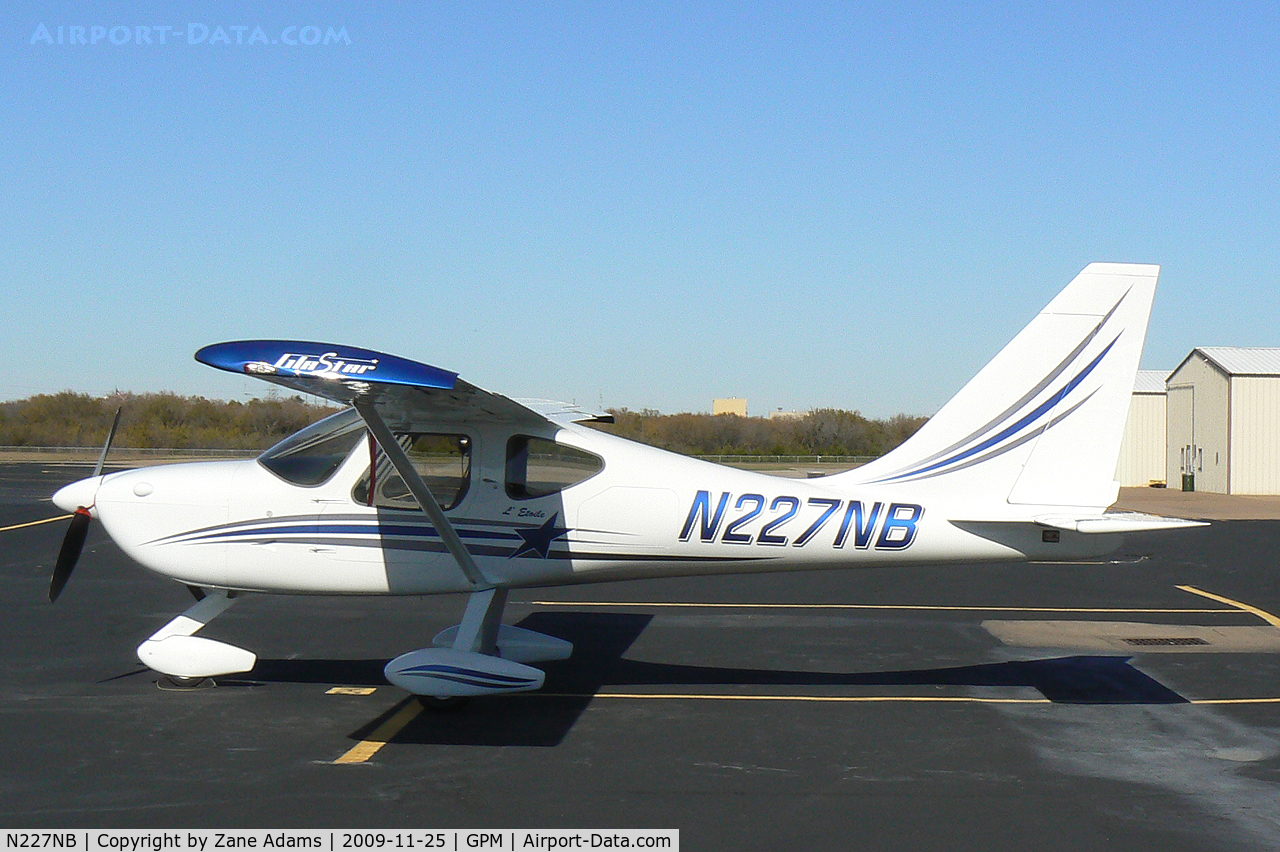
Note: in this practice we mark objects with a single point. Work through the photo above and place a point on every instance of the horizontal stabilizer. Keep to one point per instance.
(1116, 522)
(1106, 523)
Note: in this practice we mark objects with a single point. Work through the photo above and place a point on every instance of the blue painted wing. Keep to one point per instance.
(334, 372)
(407, 392)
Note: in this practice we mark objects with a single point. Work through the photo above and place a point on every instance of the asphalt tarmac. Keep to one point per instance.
(1126, 705)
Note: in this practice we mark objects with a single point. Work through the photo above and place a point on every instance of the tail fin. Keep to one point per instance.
(1042, 423)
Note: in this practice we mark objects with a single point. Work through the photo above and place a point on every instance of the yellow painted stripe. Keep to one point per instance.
(837, 699)
(1244, 607)
(854, 699)
(35, 523)
(687, 605)
(366, 749)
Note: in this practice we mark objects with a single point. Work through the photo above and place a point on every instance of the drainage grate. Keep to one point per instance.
(1172, 640)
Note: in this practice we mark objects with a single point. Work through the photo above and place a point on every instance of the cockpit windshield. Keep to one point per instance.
(311, 456)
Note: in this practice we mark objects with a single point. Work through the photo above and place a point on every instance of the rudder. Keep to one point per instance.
(1042, 423)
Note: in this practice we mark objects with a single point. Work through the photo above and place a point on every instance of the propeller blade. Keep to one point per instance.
(73, 541)
(102, 460)
(72, 544)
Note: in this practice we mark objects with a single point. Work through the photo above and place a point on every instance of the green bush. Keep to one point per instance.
(825, 432)
(191, 422)
(154, 420)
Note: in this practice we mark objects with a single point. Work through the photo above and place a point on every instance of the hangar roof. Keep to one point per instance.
(1241, 360)
(1150, 381)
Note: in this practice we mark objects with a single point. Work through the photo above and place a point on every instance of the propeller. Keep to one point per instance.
(73, 542)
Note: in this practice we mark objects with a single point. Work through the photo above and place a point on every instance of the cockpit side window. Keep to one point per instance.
(537, 467)
(442, 460)
(309, 457)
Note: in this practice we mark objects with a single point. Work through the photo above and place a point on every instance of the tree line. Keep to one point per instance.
(824, 431)
(190, 422)
(154, 420)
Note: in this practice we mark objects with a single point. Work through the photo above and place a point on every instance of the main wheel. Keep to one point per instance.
(452, 704)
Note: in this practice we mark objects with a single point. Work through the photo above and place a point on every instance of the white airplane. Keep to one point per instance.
(426, 484)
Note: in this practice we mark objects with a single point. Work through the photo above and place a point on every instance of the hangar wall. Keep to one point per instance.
(1224, 420)
(1142, 451)
(1255, 435)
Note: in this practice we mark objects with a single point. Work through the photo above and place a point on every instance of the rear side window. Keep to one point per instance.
(442, 460)
(537, 467)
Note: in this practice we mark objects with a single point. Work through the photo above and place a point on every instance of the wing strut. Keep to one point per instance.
(382, 434)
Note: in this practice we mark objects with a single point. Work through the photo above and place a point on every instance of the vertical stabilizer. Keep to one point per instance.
(1042, 423)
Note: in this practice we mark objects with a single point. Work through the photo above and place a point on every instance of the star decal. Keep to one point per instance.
(537, 540)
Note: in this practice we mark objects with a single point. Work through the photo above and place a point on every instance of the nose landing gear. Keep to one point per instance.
(186, 659)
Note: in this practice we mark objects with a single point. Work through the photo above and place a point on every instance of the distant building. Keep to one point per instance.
(732, 405)
(1224, 420)
(785, 415)
(1142, 452)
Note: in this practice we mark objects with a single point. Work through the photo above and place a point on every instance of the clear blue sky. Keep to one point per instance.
(643, 205)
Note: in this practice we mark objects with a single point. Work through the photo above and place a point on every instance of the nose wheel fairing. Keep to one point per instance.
(175, 651)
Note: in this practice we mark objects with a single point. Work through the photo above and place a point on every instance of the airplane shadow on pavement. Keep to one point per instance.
(602, 638)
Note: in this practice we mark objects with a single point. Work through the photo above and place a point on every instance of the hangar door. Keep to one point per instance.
(1185, 456)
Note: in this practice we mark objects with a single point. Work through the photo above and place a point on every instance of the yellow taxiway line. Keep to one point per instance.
(35, 523)
(835, 699)
(857, 699)
(367, 748)
(1243, 607)
(909, 607)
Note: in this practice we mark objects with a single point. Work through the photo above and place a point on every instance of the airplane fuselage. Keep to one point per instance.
(428, 484)
(645, 513)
